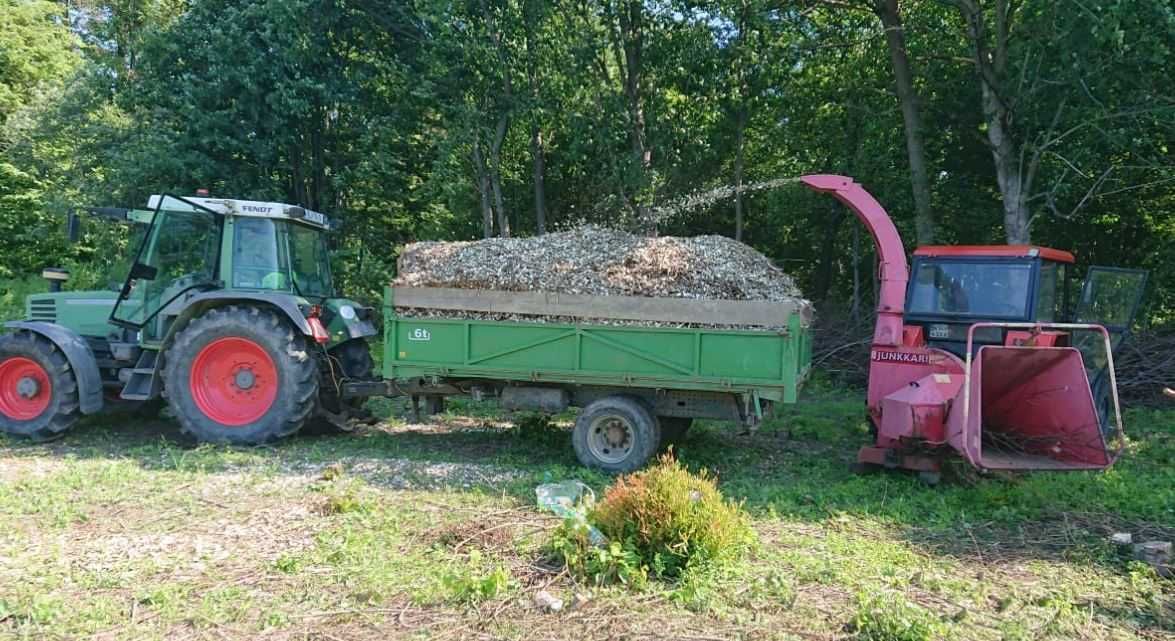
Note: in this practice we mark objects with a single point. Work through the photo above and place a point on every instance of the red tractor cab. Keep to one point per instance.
(953, 287)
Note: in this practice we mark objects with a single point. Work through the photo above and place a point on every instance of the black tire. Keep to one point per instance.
(348, 360)
(674, 429)
(61, 412)
(637, 434)
(295, 387)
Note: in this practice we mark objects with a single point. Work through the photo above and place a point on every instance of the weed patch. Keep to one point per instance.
(343, 496)
(890, 617)
(472, 583)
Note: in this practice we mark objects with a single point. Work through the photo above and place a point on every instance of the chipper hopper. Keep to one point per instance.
(972, 356)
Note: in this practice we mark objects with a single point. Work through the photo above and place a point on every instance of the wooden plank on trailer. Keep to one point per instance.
(665, 310)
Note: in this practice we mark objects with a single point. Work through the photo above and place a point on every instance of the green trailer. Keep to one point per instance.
(641, 369)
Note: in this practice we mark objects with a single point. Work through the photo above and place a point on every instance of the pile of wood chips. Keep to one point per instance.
(596, 261)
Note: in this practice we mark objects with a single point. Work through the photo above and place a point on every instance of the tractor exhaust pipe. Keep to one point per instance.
(1025, 407)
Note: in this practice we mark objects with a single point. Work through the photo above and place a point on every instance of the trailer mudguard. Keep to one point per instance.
(80, 356)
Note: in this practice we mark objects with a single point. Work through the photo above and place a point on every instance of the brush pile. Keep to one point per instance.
(596, 261)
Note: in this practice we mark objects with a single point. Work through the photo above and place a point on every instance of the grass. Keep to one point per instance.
(123, 531)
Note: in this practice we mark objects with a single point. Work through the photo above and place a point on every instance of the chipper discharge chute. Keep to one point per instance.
(973, 355)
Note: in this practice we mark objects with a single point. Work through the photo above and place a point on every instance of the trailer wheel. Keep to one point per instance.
(240, 375)
(615, 434)
(38, 393)
(674, 429)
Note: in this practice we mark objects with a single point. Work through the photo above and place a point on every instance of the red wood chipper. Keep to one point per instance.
(984, 354)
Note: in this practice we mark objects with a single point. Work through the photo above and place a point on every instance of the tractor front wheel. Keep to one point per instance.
(241, 375)
(38, 393)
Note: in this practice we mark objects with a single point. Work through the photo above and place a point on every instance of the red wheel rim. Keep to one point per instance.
(233, 381)
(25, 388)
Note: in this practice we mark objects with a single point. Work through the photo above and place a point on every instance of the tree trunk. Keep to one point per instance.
(540, 197)
(739, 161)
(990, 65)
(483, 191)
(828, 253)
(891, 19)
(496, 175)
(855, 309)
(538, 162)
(631, 18)
(505, 105)
(1006, 156)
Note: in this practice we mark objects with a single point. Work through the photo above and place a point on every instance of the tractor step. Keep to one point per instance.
(143, 382)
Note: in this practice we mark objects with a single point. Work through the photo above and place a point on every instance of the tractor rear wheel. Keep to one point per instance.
(38, 393)
(241, 375)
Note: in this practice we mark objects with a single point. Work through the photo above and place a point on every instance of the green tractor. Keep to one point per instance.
(228, 311)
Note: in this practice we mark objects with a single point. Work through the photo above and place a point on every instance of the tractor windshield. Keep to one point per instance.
(978, 289)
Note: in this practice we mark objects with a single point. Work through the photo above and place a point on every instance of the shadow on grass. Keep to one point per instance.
(796, 468)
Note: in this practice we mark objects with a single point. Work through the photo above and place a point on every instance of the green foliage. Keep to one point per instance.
(890, 617)
(614, 562)
(373, 113)
(12, 295)
(661, 521)
(471, 583)
(35, 49)
(344, 496)
(539, 428)
(37, 54)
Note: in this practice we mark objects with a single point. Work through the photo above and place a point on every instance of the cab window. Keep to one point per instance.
(258, 258)
(1050, 300)
(310, 262)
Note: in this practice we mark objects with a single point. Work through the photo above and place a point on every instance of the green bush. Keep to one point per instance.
(660, 522)
(13, 292)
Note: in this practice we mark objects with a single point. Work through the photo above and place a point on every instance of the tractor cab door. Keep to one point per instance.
(1110, 297)
(179, 252)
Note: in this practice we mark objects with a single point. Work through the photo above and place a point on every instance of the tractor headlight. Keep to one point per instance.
(347, 312)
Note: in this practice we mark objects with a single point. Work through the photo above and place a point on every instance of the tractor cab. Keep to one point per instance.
(198, 244)
(953, 287)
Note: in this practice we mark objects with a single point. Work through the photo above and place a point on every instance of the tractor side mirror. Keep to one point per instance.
(73, 228)
(141, 271)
